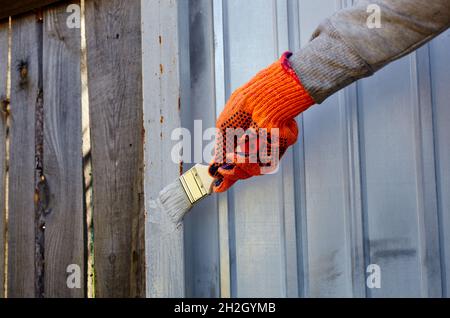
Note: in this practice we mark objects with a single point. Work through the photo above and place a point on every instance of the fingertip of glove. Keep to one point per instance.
(228, 166)
(223, 185)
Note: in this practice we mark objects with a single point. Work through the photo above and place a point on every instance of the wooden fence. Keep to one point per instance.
(71, 150)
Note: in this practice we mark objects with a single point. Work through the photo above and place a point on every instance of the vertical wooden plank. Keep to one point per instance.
(115, 98)
(4, 45)
(25, 93)
(165, 93)
(64, 241)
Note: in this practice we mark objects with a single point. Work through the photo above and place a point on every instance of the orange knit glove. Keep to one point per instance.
(272, 99)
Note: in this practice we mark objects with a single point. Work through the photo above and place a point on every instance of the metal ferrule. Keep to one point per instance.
(193, 186)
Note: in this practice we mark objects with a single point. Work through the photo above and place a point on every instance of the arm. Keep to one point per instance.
(343, 49)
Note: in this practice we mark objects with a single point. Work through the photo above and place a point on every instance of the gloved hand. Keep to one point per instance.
(272, 99)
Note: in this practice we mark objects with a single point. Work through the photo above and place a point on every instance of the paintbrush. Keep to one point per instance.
(175, 200)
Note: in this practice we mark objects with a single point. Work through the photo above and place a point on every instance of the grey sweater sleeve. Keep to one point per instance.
(344, 49)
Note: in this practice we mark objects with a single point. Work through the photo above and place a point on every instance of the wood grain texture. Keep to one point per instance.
(24, 94)
(11, 8)
(3, 117)
(64, 241)
(163, 100)
(115, 97)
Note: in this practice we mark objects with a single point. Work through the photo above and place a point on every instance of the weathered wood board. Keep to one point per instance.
(64, 220)
(25, 92)
(115, 99)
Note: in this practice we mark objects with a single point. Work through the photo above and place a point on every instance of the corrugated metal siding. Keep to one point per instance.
(368, 182)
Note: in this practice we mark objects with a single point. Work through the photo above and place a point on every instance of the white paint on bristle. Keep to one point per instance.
(170, 207)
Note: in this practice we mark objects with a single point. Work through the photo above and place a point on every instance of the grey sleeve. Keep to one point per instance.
(344, 49)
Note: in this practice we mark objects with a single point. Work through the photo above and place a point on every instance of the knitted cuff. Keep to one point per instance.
(327, 64)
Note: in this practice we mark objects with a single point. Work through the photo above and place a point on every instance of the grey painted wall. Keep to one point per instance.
(368, 182)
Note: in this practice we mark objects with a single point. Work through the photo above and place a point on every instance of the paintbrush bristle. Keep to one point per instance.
(175, 200)
(169, 208)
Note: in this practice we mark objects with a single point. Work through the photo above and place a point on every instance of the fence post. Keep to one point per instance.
(113, 33)
(64, 219)
(25, 96)
(165, 67)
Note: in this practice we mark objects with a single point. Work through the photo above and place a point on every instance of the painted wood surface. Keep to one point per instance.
(164, 88)
(64, 219)
(115, 100)
(4, 104)
(26, 91)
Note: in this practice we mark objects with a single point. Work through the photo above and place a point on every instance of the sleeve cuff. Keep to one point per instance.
(327, 64)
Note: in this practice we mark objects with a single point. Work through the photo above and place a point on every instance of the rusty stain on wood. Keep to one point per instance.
(165, 261)
(4, 106)
(22, 68)
(39, 15)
